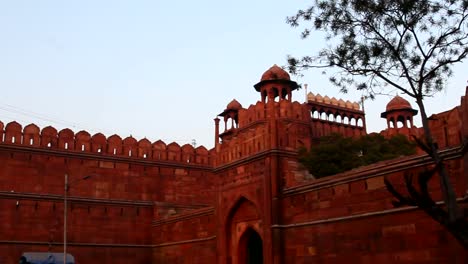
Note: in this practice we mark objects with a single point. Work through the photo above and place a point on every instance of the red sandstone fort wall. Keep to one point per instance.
(109, 214)
(295, 126)
(446, 128)
(151, 202)
(464, 113)
(464, 130)
(350, 218)
(293, 173)
(185, 238)
(242, 204)
(253, 134)
(96, 229)
(120, 169)
(83, 142)
(409, 237)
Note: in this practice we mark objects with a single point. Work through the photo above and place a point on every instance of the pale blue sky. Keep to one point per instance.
(155, 69)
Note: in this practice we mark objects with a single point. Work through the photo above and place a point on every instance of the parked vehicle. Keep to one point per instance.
(45, 258)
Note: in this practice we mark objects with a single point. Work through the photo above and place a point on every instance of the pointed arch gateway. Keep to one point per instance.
(244, 241)
(250, 247)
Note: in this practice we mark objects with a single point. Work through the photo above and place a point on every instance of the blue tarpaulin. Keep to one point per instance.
(47, 258)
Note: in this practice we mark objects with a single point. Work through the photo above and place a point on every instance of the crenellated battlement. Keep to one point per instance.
(82, 141)
(156, 202)
(255, 112)
(249, 132)
(332, 101)
(246, 130)
(246, 117)
(286, 109)
(337, 115)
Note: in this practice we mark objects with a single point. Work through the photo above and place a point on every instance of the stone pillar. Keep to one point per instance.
(216, 134)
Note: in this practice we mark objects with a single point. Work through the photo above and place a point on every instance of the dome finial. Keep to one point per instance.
(275, 74)
(398, 103)
(234, 105)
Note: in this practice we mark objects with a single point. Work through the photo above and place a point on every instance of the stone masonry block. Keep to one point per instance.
(399, 230)
(357, 187)
(375, 183)
(341, 189)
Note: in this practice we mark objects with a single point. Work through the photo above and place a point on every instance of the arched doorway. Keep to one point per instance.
(243, 233)
(251, 248)
(254, 249)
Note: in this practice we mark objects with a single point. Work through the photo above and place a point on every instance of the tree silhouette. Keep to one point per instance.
(336, 153)
(408, 45)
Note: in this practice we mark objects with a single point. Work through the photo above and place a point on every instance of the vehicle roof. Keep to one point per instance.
(47, 258)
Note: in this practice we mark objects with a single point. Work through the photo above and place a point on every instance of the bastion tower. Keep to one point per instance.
(256, 159)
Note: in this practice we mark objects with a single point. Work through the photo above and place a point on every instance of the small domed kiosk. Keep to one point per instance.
(231, 112)
(275, 82)
(399, 110)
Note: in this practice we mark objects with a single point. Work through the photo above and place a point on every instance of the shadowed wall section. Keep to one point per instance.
(110, 214)
(248, 198)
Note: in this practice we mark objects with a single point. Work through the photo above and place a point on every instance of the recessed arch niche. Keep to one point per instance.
(243, 232)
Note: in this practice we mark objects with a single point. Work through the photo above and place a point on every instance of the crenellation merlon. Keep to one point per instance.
(82, 141)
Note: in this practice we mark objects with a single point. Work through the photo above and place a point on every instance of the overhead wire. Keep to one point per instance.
(29, 113)
(56, 120)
